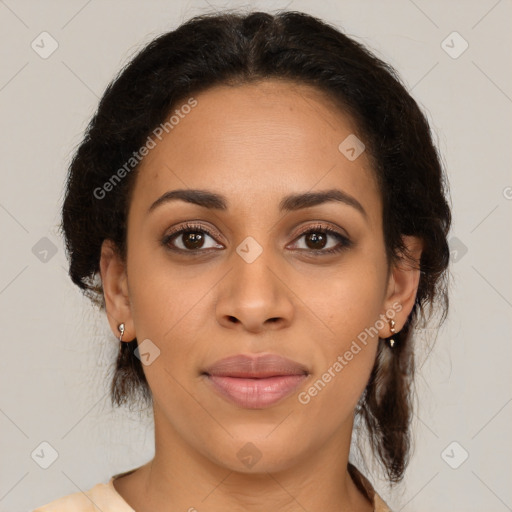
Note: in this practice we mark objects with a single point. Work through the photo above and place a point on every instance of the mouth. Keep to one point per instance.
(255, 382)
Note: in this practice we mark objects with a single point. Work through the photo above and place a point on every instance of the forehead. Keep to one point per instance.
(256, 143)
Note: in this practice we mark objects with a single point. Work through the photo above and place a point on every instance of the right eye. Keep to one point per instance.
(190, 238)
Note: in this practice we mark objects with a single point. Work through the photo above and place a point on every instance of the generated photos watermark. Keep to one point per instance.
(304, 397)
(137, 156)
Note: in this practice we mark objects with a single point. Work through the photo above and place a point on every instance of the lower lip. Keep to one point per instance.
(255, 393)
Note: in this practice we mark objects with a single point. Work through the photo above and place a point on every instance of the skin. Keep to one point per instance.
(254, 144)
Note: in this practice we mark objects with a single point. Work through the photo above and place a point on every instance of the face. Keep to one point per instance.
(281, 253)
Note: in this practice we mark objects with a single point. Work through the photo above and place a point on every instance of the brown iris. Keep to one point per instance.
(193, 240)
(316, 241)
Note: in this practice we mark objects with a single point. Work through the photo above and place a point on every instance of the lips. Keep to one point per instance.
(255, 382)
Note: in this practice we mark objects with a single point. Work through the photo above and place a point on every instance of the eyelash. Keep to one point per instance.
(345, 243)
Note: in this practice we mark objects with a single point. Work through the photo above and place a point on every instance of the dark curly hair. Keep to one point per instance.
(238, 48)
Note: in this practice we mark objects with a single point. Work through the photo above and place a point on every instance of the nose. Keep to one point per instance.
(254, 296)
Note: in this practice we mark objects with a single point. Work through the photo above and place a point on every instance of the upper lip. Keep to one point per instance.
(255, 366)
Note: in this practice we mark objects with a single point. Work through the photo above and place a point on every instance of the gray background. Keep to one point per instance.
(57, 351)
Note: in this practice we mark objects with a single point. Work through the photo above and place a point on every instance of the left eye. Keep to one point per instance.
(322, 239)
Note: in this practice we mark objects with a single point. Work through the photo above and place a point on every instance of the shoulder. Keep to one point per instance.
(100, 497)
(77, 502)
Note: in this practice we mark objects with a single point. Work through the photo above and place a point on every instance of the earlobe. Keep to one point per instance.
(115, 291)
(403, 283)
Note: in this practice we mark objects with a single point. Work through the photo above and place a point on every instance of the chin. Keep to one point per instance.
(258, 453)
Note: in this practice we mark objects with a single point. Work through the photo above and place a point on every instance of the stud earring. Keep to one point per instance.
(392, 329)
(121, 330)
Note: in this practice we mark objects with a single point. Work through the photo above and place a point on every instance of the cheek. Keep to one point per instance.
(166, 307)
(346, 355)
(163, 297)
(351, 304)
(349, 300)
(169, 306)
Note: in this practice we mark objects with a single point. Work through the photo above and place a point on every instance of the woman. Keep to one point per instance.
(266, 210)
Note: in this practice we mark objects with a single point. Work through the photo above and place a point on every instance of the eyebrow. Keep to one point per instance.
(289, 203)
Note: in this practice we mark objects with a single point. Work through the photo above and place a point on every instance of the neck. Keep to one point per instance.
(312, 479)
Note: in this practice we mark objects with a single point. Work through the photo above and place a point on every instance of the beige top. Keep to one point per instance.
(104, 497)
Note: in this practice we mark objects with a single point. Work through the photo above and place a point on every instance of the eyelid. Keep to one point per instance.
(323, 226)
(191, 226)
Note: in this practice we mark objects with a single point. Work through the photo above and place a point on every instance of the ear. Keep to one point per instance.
(403, 281)
(115, 290)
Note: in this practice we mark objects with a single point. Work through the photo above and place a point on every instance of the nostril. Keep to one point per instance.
(233, 319)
